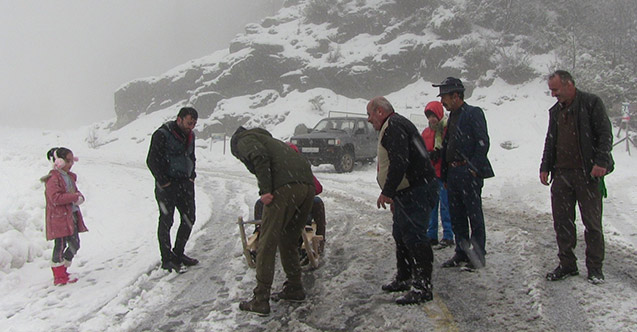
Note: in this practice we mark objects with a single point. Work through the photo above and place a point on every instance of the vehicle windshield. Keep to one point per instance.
(335, 124)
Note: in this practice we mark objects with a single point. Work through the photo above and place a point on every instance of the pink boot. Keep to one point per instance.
(60, 276)
(68, 276)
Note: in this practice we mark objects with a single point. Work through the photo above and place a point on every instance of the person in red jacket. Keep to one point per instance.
(433, 136)
(64, 220)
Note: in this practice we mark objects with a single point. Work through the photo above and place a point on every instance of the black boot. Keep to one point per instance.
(421, 291)
(397, 286)
(185, 260)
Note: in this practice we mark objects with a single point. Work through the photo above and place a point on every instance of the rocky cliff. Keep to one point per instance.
(356, 48)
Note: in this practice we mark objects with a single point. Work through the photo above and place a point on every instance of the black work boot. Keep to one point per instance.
(397, 286)
(185, 260)
(561, 272)
(292, 292)
(171, 266)
(454, 261)
(421, 291)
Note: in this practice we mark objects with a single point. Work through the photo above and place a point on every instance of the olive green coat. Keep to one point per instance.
(274, 163)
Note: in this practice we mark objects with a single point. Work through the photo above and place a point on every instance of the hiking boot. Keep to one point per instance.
(171, 266)
(415, 296)
(187, 261)
(397, 286)
(292, 294)
(433, 242)
(454, 261)
(447, 243)
(561, 273)
(595, 276)
(260, 307)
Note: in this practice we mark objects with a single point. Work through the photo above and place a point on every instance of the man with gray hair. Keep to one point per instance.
(577, 156)
(408, 183)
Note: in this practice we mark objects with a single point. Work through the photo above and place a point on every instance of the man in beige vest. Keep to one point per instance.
(408, 183)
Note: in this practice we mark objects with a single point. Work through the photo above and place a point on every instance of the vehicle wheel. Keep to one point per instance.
(345, 162)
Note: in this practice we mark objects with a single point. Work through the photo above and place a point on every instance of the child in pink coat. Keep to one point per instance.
(63, 217)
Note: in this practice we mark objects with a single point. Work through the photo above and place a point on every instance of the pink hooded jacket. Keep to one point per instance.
(59, 206)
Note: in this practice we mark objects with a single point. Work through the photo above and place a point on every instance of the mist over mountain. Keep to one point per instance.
(358, 49)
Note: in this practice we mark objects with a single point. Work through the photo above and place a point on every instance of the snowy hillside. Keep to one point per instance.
(121, 287)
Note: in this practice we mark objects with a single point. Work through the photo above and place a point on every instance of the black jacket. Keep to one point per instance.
(407, 155)
(593, 129)
(171, 155)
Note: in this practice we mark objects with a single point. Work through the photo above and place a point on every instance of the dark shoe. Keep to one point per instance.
(256, 306)
(433, 242)
(289, 294)
(187, 261)
(561, 273)
(454, 261)
(595, 276)
(397, 286)
(447, 243)
(415, 296)
(171, 266)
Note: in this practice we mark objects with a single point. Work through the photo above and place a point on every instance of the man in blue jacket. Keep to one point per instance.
(464, 168)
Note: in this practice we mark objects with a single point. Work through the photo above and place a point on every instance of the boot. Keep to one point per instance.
(421, 291)
(259, 303)
(68, 276)
(292, 292)
(60, 276)
(397, 286)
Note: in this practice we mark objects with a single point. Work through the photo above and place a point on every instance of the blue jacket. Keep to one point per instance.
(471, 142)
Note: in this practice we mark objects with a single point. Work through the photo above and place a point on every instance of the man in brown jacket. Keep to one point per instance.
(577, 156)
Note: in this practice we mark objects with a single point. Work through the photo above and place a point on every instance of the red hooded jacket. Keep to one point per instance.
(429, 136)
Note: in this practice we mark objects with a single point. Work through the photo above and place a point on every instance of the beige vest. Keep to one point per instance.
(383, 163)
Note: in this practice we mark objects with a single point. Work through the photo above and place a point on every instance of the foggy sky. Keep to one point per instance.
(61, 61)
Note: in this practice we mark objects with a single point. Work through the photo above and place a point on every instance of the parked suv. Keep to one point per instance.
(340, 141)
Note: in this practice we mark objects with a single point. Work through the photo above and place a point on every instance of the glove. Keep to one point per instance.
(434, 155)
(80, 200)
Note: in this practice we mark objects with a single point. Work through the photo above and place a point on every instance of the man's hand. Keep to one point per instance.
(382, 200)
(598, 171)
(544, 178)
(267, 198)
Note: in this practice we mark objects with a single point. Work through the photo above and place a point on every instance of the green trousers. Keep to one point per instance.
(283, 220)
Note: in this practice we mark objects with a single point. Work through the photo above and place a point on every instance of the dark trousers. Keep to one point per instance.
(65, 248)
(465, 207)
(571, 186)
(412, 208)
(179, 194)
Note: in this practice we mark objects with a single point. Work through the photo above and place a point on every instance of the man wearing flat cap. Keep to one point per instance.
(464, 168)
